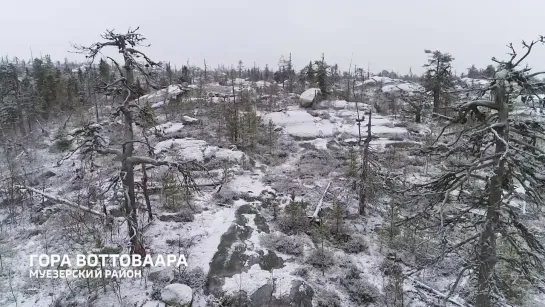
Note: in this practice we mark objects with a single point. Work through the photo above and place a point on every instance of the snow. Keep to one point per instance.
(228, 155)
(405, 87)
(247, 184)
(158, 104)
(374, 80)
(255, 278)
(177, 294)
(162, 96)
(210, 151)
(188, 149)
(188, 119)
(319, 143)
(174, 128)
(475, 82)
(209, 226)
(310, 94)
(339, 104)
(240, 81)
(307, 97)
(300, 123)
(262, 83)
(154, 304)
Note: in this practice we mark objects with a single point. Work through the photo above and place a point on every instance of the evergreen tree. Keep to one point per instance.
(473, 72)
(323, 76)
(489, 72)
(438, 78)
(310, 74)
(104, 70)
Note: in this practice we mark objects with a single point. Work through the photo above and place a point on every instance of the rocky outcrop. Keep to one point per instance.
(309, 97)
(178, 295)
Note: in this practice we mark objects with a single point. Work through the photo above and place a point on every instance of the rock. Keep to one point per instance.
(154, 304)
(210, 152)
(116, 212)
(310, 96)
(47, 174)
(180, 217)
(162, 276)
(189, 120)
(178, 295)
(301, 294)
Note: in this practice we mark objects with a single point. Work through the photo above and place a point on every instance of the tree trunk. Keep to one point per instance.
(145, 191)
(435, 101)
(418, 116)
(364, 170)
(487, 244)
(127, 171)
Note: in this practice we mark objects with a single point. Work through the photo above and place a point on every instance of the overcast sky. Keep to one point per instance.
(388, 35)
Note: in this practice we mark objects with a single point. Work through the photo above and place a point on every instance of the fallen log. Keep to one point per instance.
(319, 206)
(61, 200)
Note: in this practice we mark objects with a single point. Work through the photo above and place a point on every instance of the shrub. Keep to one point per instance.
(361, 291)
(356, 244)
(283, 243)
(320, 259)
(293, 220)
(194, 278)
(328, 299)
(63, 141)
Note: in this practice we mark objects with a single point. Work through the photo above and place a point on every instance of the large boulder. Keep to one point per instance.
(178, 295)
(310, 96)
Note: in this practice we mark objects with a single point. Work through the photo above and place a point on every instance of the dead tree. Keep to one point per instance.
(365, 183)
(486, 215)
(134, 61)
(413, 103)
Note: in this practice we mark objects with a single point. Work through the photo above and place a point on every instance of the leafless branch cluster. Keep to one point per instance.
(484, 154)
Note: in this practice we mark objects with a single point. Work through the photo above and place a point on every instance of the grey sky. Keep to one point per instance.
(389, 35)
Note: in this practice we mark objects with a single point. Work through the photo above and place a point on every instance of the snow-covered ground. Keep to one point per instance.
(233, 232)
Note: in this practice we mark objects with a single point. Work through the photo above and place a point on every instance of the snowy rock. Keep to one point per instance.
(309, 97)
(403, 87)
(179, 295)
(262, 83)
(157, 105)
(471, 82)
(154, 304)
(378, 80)
(210, 152)
(189, 120)
(47, 174)
(168, 128)
(162, 276)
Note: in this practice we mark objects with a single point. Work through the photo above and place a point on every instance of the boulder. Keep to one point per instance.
(189, 120)
(310, 96)
(154, 304)
(178, 295)
(162, 276)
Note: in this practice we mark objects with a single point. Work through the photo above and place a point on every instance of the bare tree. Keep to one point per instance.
(485, 213)
(132, 114)
(413, 103)
(365, 183)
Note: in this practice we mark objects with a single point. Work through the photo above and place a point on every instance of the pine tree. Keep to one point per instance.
(322, 76)
(104, 70)
(473, 72)
(438, 78)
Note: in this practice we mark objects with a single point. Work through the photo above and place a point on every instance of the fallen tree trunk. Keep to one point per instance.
(436, 293)
(319, 206)
(61, 200)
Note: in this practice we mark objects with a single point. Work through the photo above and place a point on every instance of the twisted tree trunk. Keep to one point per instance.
(487, 245)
